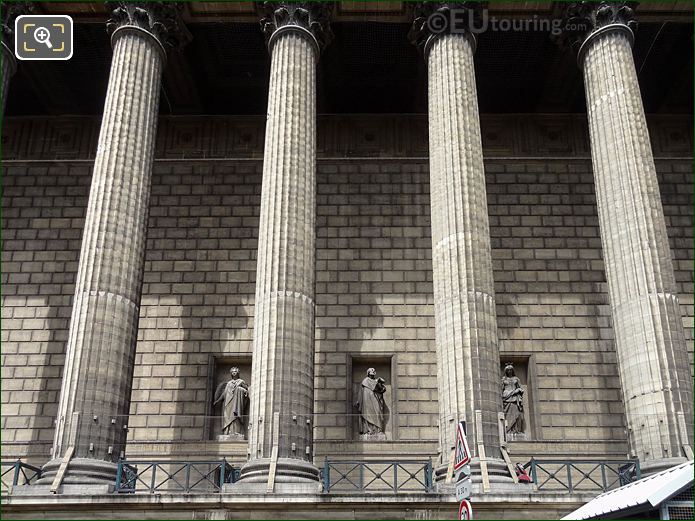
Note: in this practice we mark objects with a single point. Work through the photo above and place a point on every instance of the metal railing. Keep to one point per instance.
(18, 473)
(188, 477)
(374, 476)
(377, 476)
(582, 475)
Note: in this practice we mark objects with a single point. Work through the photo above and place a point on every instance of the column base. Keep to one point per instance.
(288, 470)
(496, 468)
(655, 466)
(80, 471)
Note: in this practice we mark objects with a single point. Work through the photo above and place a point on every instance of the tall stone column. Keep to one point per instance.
(97, 378)
(9, 67)
(282, 380)
(649, 336)
(10, 12)
(468, 365)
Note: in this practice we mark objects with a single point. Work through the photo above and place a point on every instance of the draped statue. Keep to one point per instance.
(512, 401)
(235, 397)
(374, 414)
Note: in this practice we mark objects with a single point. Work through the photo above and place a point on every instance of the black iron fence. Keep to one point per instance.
(374, 476)
(377, 476)
(188, 477)
(18, 473)
(582, 475)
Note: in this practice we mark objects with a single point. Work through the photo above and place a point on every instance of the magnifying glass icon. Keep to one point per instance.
(43, 35)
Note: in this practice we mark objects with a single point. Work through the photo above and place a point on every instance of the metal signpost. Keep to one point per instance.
(462, 468)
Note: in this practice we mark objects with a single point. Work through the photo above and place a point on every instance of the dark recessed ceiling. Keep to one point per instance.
(369, 68)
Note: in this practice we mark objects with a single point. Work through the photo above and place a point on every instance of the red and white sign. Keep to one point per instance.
(465, 510)
(463, 453)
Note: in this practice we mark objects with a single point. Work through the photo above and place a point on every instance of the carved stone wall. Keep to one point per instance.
(338, 136)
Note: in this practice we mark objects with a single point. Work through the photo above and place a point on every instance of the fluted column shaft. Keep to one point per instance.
(9, 66)
(464, 301)
(649, 335)
(95, 395)
(282, 378)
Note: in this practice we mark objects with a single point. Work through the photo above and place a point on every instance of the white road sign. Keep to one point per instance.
(463, 489)
(463, 453)
(465, 510)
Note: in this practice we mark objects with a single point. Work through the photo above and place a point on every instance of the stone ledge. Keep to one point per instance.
(63, 490)
(72, 498)
(291, 506)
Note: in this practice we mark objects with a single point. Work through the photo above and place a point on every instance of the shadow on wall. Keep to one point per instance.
(373, 302)
(50, 379)
(349, 337)
(34, 397)
(197, 305)
(175, 375)
(43, 211)
(211, 344)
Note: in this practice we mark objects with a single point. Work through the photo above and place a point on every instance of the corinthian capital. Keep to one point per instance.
(584, 21)
(434, 19)
(160, 19)
(308, 18)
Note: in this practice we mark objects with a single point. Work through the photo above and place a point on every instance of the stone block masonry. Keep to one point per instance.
(373, 296)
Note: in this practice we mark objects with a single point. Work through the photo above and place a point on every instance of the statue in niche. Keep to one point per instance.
(374, 414)
(234, 395)
(512, 401)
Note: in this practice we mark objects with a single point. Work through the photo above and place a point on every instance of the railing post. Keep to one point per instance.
(569, 476)
(188, 478)
(428, 475)
(534, 476)
(395, 477)
(119, 472)
(638, 472)
(361, 481)
(223, 473)
(17, 469)
(154, 473)
(603, 476)
(326, 476)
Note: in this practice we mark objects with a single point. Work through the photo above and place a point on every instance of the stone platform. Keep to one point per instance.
(495, 505)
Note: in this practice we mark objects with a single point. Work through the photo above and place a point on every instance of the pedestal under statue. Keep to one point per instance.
(235, 397)
(374, 414)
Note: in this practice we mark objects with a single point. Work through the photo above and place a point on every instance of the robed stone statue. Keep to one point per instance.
(512, 401)
(234, 395)
(374, 413)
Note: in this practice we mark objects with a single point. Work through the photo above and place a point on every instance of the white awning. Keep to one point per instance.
(648, 492)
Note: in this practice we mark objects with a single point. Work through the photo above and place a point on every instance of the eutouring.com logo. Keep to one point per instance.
(459, 21)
